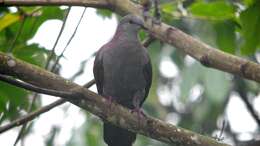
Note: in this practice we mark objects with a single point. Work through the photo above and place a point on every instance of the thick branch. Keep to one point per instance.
(207, 55)
(97, 105)
(38, 112)
(86, 3)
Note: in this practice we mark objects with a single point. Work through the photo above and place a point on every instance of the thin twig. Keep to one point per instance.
(20, 134)
(71, 37)
(31, 116)
(240, 88)
(58, 38)
(82, 66)
(89, 84)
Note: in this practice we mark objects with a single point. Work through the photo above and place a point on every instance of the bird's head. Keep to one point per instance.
(131, 23)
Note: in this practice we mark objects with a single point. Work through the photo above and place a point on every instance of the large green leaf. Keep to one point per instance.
(225, 36)
(32, 23)
(250, 21)
(217, 10)
(32, 54)
(44, 13)
(249, 2)
(12, 100)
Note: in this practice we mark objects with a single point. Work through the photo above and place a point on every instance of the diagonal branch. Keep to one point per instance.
(36, 113)
(50, 57)
(239, 86)
(97, 105)
(31, 116)
(30, 87)
(207, 55)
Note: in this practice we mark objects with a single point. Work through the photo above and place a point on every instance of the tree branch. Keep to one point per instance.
(87, 3)
(98, 105)
(50, 57)
(240, 87)
(31, 116)
(36, 113)
(207, 55)
(30, 87)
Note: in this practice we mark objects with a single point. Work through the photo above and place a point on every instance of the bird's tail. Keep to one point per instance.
(115, 136)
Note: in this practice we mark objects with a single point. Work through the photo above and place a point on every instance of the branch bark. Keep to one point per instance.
(86, 3)
(207, 55)
(36, 113)
(98, 105)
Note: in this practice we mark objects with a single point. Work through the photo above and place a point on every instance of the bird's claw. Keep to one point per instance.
(140, 114)
(110, 100)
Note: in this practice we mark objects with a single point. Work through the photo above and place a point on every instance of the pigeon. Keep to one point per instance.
(123, 73)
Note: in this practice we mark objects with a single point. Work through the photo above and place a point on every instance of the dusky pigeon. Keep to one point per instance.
(123, 72)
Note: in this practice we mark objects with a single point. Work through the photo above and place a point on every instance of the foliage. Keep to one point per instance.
(232, 27)
(26, 20)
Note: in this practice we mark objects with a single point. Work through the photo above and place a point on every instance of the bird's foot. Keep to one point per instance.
(110, 100)
(140, 114)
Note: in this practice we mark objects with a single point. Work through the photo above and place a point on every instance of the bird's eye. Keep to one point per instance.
(131, 22)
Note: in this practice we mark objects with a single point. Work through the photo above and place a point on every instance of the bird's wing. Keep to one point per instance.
(147, 71)
(98, 71)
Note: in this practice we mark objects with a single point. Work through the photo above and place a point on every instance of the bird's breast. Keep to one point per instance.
(123, 76)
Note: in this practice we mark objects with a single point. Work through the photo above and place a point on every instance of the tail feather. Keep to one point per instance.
(115, 136)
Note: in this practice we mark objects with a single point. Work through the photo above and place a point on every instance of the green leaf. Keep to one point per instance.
(225, 36)
(218, 10)
(12, 100)
(249, 2)
(250, 22)
(32, 54)
(33, 23)
(8, 19)
(169, 7)
(104, 13)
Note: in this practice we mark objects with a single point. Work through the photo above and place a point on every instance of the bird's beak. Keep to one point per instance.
(140, 22)
(142, 25)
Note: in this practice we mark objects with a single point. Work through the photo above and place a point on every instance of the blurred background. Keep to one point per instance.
(185, 93)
